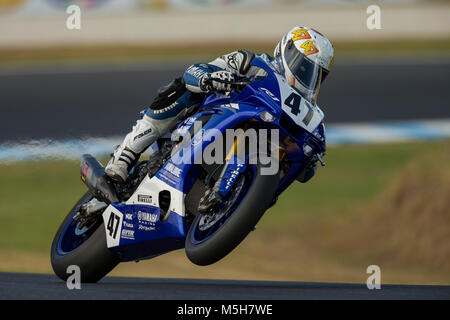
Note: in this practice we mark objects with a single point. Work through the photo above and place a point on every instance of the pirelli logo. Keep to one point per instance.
(144, 198)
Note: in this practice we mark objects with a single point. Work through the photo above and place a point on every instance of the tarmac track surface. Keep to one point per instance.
(44, 287)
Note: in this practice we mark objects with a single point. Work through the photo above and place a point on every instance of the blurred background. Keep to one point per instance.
(382, 199)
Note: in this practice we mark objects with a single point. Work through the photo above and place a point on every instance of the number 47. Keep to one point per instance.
(113, 225)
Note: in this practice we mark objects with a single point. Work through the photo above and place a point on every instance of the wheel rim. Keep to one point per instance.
(72, 237)
(205, 226)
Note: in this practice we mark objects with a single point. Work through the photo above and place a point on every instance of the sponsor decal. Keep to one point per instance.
(127, 234)
(128, 225)
(146, 221)
(146, 228)
(147, 218)
(232, 176)
(142, 134)
(195, 72)
(170, 167)
(144, 198)
(173, 105)
(270, 94)
(84, 172)
(232, 62)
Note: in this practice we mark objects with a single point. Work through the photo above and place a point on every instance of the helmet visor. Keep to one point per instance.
(304, 70)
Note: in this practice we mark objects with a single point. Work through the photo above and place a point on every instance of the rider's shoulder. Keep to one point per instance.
(239, 60)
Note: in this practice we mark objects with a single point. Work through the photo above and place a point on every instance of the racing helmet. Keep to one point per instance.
(305, 58)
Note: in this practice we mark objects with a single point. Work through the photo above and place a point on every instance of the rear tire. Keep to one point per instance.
(244, 218)
(93, 257)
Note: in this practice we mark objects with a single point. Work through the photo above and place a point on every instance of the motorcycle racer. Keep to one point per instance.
(303, 56)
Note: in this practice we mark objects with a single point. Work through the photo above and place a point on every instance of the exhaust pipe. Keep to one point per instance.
(93, 176)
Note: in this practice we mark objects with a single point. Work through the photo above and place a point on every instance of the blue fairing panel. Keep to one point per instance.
(144, 235)
(223, 117)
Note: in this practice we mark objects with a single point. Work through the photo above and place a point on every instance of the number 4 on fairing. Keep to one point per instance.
(293, 101)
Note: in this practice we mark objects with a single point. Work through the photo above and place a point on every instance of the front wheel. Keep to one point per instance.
(85, 248)
(211, 237)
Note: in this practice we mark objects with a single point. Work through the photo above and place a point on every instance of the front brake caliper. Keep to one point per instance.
(88, 211)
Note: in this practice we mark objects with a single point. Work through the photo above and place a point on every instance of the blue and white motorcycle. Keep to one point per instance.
(174, 201)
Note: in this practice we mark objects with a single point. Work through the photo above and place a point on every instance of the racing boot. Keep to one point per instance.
(127, 154)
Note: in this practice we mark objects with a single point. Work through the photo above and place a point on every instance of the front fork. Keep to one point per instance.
(233, 167)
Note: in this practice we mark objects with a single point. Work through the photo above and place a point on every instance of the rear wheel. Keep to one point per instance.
(85, 248)
(212, 236)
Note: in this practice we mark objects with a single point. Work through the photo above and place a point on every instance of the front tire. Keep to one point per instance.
(90, 253)
(238, 225)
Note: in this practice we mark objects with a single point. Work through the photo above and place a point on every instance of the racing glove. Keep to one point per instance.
(217, 81)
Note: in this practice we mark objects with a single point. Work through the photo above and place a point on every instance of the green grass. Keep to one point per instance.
(352, 175)
(36, 196)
